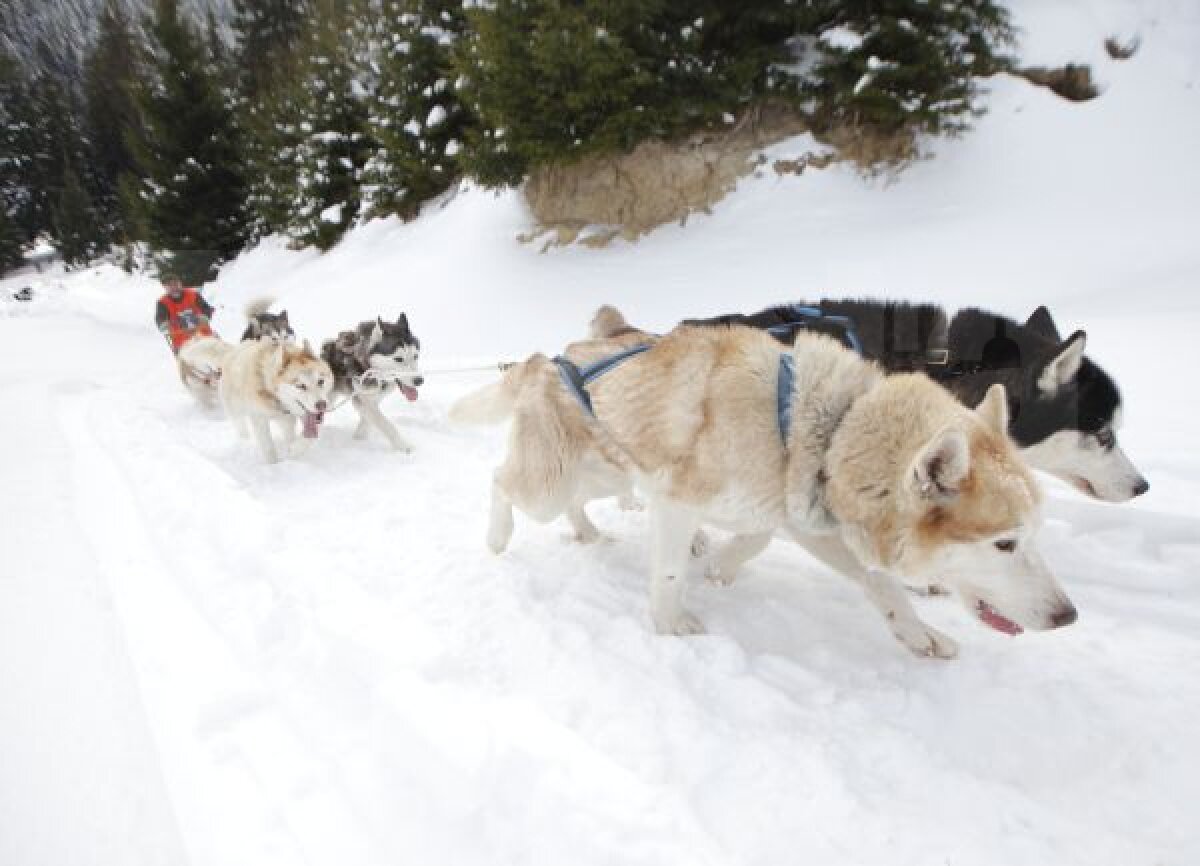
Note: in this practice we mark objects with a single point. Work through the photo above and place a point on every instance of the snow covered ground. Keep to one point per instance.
(207, 660)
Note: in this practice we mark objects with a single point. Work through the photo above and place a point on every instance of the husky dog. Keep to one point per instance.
(369, 363)
(200, 361)
(264, 324)
(262, 382)
(1064, 409)
(878, 476)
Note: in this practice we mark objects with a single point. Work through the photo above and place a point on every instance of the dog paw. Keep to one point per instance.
(927, 642)
(682, 625)
(700, 543)
(498, 538)
(629, 502)
(589, 536)
(928, 590)
(714, 573)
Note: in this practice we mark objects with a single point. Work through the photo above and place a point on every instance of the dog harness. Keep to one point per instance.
(577, 379)
(802, 317)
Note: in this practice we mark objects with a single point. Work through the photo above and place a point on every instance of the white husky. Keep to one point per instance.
(263, 382)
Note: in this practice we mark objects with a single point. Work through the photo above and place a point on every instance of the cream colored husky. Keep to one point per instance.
(262, 381)
(878, 476)
(200, 360)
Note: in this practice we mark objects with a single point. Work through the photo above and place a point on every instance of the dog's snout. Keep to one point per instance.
(1141, 487)
(321, 405)
(1066, 616)
(418, 381)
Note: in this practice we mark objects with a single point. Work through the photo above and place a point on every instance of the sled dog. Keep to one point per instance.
(879, 476)
(369, 363)
(1064, 409)
(261, 323)
(263, 382)
(200, 361)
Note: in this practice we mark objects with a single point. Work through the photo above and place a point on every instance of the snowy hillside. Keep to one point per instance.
(207, 660)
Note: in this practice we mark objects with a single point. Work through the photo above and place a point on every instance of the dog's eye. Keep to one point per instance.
(320, 383)
(1006, 546)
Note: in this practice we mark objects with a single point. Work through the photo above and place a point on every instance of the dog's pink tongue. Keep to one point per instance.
(1000, 623)
(409, 391)
(312, 425)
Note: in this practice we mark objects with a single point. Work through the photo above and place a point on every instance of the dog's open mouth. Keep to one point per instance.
(409, 392)
(1084, 486)
(312, 424)
(990, 616)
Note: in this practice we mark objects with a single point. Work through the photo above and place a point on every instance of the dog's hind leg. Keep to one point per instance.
(729, 559)
(886, 593)
(262, 435)
(673, 529)
(500, 526)
(585, 531)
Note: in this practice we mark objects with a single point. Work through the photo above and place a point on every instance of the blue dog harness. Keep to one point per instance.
(578, 378)
(803, 317)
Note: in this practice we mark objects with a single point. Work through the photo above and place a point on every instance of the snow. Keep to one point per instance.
(841, 39)
(332, 214)
(436, 115)
(207, 660)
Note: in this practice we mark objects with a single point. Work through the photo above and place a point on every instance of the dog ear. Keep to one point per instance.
(993, 408)
(941, 465)
(376, 333)
(308, 348)
(402, 322)
(1064, 365)
(1042, 324)
(283, 317)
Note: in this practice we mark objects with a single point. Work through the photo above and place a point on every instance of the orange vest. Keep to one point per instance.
(185, 319)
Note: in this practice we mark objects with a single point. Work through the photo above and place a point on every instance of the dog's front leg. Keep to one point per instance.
(261, 428)
(885, 592)
(370, 410)
(730, 558)
(500, 527)
(673, 528)
(360, 432)
(287, 429)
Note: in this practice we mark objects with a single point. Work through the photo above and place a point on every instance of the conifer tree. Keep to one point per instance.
(74, 220)
(553, 81)
(416, 118)
(195, 197)
(11, 244)
(15, 151)
(904, 67)
(327, 124)
(113, 120)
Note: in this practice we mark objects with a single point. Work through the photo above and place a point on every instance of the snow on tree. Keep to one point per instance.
(415, 118)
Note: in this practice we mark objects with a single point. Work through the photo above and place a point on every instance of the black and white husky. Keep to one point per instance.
(262, 323)
(369, 363)
(1064, 409)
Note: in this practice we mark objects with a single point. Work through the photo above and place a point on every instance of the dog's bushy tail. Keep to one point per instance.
(258, 306)
(491, 404)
